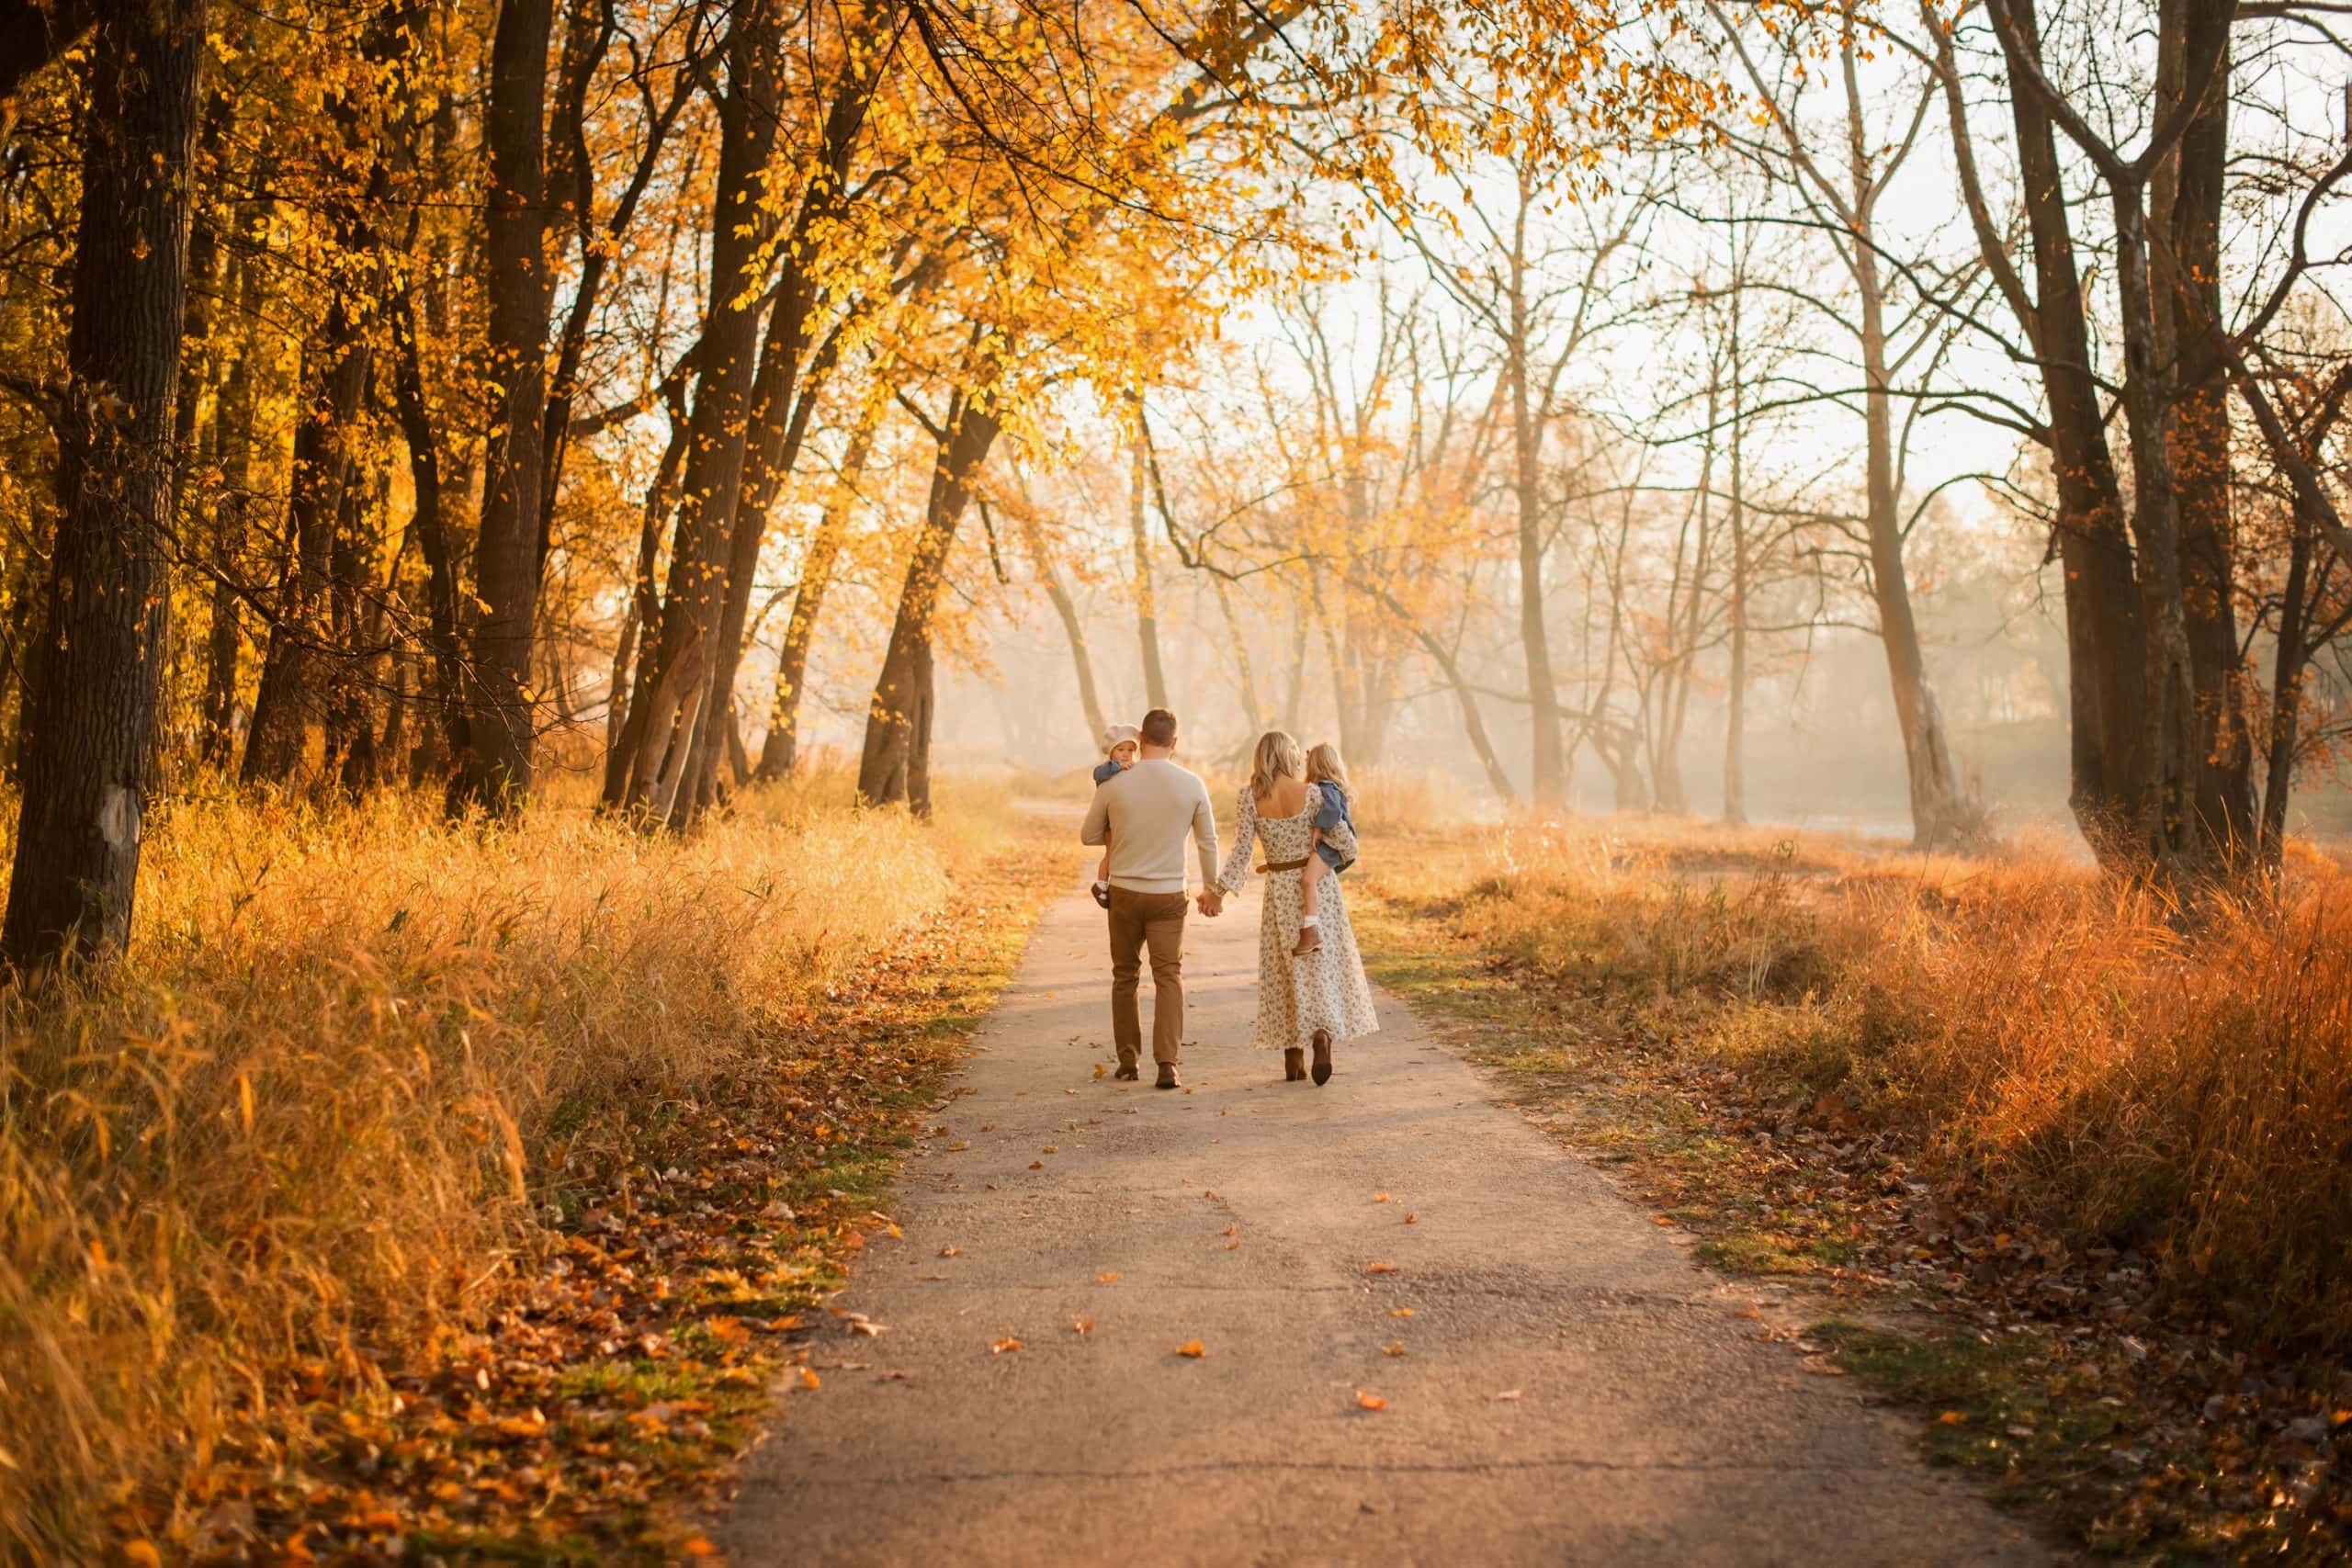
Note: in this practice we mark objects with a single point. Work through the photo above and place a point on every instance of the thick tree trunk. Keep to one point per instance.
(2105, 637)
(896, 762)
(291, 682)
(2188, 205)
(498, 733)
(93, 707)
(679, 648)
(2165, 819)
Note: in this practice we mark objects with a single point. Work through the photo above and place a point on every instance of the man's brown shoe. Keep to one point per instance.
(1322, 1057)
(1167, 1076)
(1294, 1065)
(1126, 1072)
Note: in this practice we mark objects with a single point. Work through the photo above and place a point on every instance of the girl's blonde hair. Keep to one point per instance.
(1323, 762)
(1277, 757)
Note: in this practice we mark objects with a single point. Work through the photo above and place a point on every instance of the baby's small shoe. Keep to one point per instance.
(1102, 894)
(1310, 939)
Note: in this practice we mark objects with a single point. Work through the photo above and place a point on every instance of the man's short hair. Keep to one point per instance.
(1160, 728)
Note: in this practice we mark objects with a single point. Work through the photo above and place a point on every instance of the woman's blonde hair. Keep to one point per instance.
(1323, 762)
(1277, 757)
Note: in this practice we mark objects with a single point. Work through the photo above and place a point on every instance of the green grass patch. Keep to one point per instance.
(2004, 1405)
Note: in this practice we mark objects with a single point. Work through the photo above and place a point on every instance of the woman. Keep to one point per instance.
(1315, 998)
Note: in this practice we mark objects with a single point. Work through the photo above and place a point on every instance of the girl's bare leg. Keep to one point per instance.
(1310, 927)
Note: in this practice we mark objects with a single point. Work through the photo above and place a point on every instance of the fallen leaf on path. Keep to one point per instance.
(861, 1323)
(1099, 1069)
(1106, 1277)
(1370, 1401)
(1193, 1348)
(1036, 1165)
(1953, 1419)
(1412, 1219)
(1001, 1345)
(1509, 1394)
(1049, 1149)
(808, 1378)
(697, 1546)
(951, 1250)
(1380, 1197)
(1080, 1324)
(1661, 1219)
(1230, 1230)
(1379, 1268)
(1393, 1347)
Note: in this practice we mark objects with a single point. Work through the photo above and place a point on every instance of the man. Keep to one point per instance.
(1145, 814)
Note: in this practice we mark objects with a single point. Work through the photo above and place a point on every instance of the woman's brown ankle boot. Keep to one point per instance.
(1293, 1064)
(1322, 1057)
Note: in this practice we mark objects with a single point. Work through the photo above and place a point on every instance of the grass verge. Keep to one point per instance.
(410, 1190)
(2053, 1159)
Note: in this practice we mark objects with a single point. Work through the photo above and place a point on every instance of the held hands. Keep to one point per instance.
(1211, 903)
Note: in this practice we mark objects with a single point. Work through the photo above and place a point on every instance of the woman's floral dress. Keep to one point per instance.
(1323, 989)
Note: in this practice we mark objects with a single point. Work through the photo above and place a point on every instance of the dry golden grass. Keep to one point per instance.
(1394, 800)
(2174, 1079)
(350, 1064)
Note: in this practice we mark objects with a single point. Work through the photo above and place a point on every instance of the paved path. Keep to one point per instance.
(1572, 1389)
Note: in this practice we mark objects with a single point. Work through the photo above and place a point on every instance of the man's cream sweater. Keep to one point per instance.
(1145, 814)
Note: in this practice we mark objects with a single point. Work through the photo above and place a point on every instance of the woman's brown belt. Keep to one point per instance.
(1298, 865)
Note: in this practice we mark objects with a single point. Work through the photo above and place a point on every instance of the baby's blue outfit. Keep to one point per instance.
(1106, 772)
(1333, 814)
